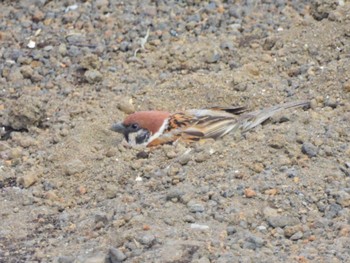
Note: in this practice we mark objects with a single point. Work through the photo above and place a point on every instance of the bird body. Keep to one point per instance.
(152, 128)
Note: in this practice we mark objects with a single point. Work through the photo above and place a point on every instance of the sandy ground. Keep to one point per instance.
(71, 192)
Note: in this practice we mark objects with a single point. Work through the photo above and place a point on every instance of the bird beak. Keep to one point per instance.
(118, 127)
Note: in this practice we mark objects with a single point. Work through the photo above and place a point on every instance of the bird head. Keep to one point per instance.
(139, 127)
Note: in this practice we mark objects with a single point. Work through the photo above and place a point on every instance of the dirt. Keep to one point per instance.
(71, 191)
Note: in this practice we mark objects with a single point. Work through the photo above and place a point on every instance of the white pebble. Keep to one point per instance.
(200, 227)
(31, 44)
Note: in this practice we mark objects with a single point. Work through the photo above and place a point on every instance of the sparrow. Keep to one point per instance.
(153, 128)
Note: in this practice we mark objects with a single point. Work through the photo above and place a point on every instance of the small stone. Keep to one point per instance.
(343, 198)
(253, 242)
(269, 43)
(195, 207)
(298, 235)
(173, 170)
(199, 227)
(189, 219)
(31, 44)
(142, 155)
(101, 3)
(101, 218)
(90, 61)
(111, 191)
(51, 195)
(212, 57)
(150, 10)
(81, 190)
(147, 240)
(262, 229)
(38, 16)
(272, 191)
(26, 111)
(125, 105)
(332, 210)
(202, 157)
(174, 193)
(15, 153)
(116, 255)
(95, 259)
(124, 46)
(346, 86)
(74, 167)
(309, 149)
(249, 193)
(282, 221)
(291, 230)
(28, 180)
(184, 159)
(111, 152)
(62, 49)
(171, 154)
(93, 76)
(231, 230)
(258, 167)
(27, 71)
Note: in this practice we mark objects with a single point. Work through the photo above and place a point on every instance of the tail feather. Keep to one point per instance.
(251, 120)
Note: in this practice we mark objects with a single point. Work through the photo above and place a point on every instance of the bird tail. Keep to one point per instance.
(250, 120)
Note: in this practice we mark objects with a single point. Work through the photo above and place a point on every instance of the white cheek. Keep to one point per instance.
(132, 138)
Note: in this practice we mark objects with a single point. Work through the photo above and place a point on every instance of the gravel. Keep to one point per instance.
(70, 191)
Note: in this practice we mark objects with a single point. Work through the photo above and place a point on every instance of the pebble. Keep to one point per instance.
(174, 193)
(116, 255)
(125, 105)
(26, 111)
(309, 149)
(212, 56)
(111, 191)
(253, 242)
(189, 219)
(249, 193)
(202, 157)
(81, 190)
(184, 159)
(147, 240)
(332, 210)
(231, 230)
(291, 230)
(28, 179)
(195, 207)
(346, 86)
(51, 195)
(74, 167)
(199, 227)
(93, 76)
(100, 258)
(298, 235)
(282, 221)
(343, 198)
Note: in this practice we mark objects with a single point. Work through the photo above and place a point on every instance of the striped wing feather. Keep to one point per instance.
(216, 122)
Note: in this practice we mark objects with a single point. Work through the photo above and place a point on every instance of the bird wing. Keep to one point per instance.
(194, 125)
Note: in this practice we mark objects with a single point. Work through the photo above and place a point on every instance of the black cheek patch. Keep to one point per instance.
(142, 136)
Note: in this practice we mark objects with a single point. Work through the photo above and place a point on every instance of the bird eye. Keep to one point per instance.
(134, 126)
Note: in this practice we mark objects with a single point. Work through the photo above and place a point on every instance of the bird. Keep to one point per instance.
(155, 128)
